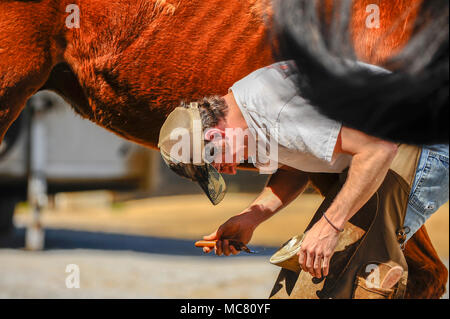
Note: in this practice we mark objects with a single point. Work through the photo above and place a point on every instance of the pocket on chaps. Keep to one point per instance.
(380, 281)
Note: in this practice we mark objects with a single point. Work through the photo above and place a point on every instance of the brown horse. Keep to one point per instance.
(130, 62)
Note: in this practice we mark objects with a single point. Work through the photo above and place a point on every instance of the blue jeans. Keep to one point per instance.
(430, 187)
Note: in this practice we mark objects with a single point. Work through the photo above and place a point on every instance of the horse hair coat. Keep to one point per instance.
(131, 62)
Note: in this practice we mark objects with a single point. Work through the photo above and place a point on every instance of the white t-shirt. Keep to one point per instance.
(269, 99)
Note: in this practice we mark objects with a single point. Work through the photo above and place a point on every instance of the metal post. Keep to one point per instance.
(37, 182)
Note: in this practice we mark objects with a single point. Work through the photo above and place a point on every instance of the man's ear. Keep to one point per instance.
(214, 133)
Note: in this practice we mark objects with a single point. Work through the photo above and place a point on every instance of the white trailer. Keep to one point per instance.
(51, 149)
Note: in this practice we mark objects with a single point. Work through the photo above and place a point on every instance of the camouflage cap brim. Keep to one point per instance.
(209, 179)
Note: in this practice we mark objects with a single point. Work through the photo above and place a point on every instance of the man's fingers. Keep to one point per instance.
(302, 259)
(310, 263)
(234, 251)
(226, 248)
(318, 266)
(326, 265)
(212, 236)
(223, 247)
(218, 249)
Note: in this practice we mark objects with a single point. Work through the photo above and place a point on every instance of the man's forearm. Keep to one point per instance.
(371, 159)
(365, 176)
(283, 187)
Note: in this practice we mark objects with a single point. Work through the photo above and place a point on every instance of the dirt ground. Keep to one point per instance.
(105, 274)
(158, 273)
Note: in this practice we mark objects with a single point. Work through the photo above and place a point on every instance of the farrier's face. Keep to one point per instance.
(230, 169)
(225, 162)
(227, 155)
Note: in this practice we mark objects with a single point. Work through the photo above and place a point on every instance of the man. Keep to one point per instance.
(268, 105)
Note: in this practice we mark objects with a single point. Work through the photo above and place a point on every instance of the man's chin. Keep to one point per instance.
(229, 171)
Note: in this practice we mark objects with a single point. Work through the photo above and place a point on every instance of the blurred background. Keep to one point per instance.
(74, 193)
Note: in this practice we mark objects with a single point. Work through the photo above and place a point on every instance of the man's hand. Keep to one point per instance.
(371, 158)
(283, 187)
(239, 228)
(317, 248)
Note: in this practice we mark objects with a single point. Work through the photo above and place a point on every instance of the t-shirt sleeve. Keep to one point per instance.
(267, 89)
(304, 129)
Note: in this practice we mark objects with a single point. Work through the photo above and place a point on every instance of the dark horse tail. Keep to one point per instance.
(409, 105)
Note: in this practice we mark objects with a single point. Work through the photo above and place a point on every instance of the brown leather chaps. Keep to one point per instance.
(370, 245)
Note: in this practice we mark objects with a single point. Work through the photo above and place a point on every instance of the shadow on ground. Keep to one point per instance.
(71, 239)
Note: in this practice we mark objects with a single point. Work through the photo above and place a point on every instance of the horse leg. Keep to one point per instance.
(27, 55)
(427, 274)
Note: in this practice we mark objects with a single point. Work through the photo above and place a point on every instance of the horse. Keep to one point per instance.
(125, 65)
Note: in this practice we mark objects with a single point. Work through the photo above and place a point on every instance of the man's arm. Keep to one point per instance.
(283, 187)
(372, 158)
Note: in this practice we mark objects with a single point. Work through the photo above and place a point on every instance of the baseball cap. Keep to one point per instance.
(182, 131)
